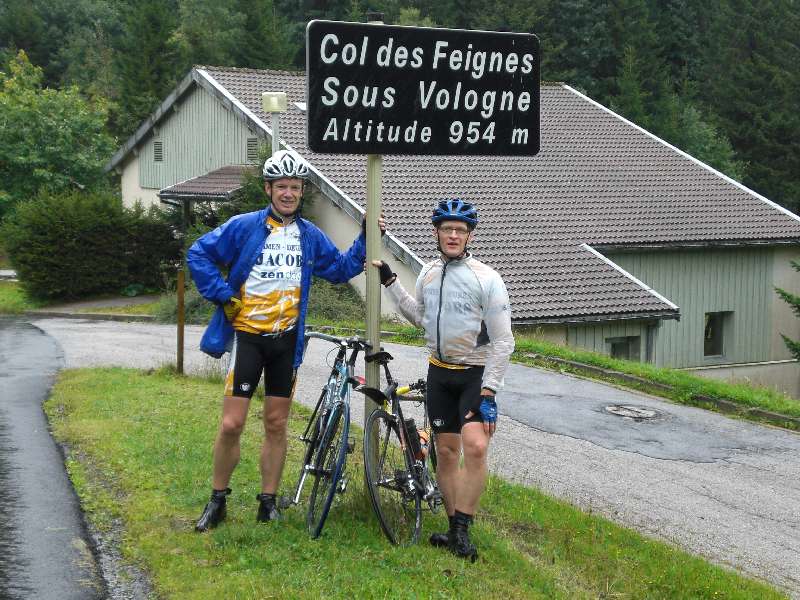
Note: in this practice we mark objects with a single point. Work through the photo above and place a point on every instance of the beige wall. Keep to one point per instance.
(342, 229)
(131, 191)
(783, 376)
(784, 320)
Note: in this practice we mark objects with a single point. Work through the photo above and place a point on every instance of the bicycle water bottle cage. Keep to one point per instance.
(382, 357)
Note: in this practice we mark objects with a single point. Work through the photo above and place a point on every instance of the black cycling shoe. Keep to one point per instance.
(267, 509)
(214, 512)
(440, 540)
(460, 545)
(459, 542)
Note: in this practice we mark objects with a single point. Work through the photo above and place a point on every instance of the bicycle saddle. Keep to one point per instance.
(381, 357)
(374, 394)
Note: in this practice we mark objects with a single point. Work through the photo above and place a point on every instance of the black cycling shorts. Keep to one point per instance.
(255, 354)
(451, 394)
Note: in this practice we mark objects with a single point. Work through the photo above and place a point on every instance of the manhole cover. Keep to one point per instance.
(638, 413)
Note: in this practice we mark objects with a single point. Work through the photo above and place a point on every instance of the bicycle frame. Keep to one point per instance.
(336, 390)
(420, 481)
(391, 397)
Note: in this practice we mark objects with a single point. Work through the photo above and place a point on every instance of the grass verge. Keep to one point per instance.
(147, 308)
(145, 442)
(14, 300)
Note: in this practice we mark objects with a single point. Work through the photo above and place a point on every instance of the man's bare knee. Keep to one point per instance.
(275, 427)
(447, 456)
(231, 426)
(475, 449)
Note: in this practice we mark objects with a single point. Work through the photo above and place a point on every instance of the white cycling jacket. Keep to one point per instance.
(463, 307)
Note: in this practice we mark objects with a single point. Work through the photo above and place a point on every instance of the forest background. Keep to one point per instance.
(719, 79)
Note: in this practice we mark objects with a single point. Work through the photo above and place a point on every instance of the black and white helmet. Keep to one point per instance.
(285, 164)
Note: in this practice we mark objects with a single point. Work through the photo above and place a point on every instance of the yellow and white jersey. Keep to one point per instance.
(271, 294)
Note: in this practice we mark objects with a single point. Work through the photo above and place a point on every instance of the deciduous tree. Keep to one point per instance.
(53, 140)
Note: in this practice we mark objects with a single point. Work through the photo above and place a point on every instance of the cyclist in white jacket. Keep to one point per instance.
(462, 304)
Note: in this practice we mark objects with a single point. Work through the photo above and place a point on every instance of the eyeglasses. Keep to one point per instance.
(459, 231)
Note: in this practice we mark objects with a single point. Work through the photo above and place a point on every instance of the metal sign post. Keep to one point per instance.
(371, 369)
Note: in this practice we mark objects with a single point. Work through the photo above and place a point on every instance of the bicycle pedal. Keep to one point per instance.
(343, 485)
(351, 445)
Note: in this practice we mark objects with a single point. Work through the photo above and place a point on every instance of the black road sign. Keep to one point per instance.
(379, 89)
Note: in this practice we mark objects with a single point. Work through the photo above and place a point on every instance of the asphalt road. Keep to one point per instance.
(44, 547)
(725, 489)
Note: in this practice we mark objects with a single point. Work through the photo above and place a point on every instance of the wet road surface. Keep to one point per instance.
(44, 548)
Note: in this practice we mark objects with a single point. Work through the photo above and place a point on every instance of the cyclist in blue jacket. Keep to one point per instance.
(462, 304)
(271, 255)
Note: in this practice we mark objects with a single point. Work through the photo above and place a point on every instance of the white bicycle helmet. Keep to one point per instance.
(285, 164)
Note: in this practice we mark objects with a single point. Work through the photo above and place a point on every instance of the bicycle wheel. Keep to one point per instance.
(388, 471)
(312, 440)
(328, 468)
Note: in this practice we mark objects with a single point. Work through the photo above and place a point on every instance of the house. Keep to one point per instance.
(609, 239)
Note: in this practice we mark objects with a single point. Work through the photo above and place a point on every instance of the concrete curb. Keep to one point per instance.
(54, 314)
(725, 406)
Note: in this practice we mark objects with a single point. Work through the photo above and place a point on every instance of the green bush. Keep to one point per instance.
(335, 302)
(81, 244)
(197, 310)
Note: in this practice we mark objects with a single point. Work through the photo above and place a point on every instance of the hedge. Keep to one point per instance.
(76, 245)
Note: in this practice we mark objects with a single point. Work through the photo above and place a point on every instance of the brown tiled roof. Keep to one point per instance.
(598, 180)
(215, 185)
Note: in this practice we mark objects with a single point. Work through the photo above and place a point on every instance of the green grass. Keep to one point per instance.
(14, 300)
(686, 385)
(148, 308)
(144, 442)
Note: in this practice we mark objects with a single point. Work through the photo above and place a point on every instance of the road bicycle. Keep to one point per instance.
(327, 434)
(398, 467)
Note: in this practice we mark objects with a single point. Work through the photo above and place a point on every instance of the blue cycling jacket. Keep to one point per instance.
(237, 244)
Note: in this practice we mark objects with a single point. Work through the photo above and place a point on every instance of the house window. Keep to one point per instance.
(627, 348)
(714, 334)
(158, 151)
(252, 150)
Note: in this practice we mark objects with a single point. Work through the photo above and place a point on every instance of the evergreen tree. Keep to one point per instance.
(264, 42)
(521, 16)
(413, 17)
(752, 84)
(145, 61)
(792, 300)
(86, 58)
(46, 29)
(681, 27)
(207, 32)
(631, 98)
(576, 44)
